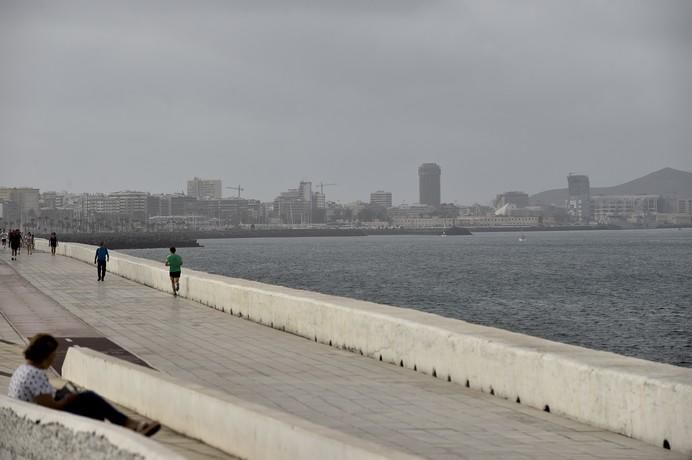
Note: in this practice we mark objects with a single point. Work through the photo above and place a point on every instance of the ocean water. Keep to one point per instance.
(629, 292)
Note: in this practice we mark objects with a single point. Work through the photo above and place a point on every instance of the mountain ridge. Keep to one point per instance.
(665, 181)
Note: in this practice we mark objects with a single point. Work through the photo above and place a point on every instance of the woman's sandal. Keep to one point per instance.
(148, 429)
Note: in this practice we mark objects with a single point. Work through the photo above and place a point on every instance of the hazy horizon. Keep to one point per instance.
(503, 95)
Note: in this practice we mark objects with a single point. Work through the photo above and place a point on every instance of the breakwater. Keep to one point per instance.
(130, 240)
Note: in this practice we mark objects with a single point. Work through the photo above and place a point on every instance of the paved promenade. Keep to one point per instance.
(382, 403)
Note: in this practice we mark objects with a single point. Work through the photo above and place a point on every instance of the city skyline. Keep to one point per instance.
(117, 96)
(364, 196)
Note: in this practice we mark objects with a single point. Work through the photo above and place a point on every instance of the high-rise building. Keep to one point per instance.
(381, 198)
(204, 189)
(27, 202)
(319, 200)
(579, 199)
(429, 184)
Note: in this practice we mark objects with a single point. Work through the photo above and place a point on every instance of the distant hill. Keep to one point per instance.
(667, 182)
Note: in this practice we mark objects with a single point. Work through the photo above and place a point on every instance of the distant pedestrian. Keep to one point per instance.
(15, 241)
(3, 237)
(29, 243)
(53, 243)
(100, 260)
(174, 262)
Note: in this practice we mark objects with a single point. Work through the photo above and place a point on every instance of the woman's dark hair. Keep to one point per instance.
(40, 347)
(173, 250)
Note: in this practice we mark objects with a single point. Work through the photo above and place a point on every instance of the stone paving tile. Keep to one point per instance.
(383, 403)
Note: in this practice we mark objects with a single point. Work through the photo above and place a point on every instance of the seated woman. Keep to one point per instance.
(30, 383)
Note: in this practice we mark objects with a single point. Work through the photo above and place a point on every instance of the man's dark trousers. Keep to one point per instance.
(101, 266)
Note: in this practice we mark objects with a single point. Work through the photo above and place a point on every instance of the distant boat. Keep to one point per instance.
(522, 238)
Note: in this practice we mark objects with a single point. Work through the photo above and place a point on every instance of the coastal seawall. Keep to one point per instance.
(640, 399)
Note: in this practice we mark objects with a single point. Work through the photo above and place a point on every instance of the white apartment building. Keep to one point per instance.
(204, 189)
(381, 198)
(612, 209)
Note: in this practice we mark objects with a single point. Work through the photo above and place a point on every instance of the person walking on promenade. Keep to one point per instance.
(15, 242)
(100, 260)
(3, 237)
(174, 262)
(29, 243)
(53, 243)
(30, 383)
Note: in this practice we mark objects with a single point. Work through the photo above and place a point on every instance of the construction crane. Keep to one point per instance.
(238, 188)
(322, 185)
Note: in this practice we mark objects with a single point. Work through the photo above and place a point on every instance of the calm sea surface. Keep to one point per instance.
(629, 292)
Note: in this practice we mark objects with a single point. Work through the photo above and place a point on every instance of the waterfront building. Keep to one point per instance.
(292, 207)
(204, 189)
(630, 209)
(320, 200)
(156, 206)
(182, 205)
(678, 219)
(298, 206)
(53, 200)
(423, 222)
(48, 200)
(411, 211)
(9, 214)
(682, 206)
(517, 199)
(476, 210)
(128, 202)
(305, 189)
(500, 221)
(89, 203)
(579, 199)
(381, 198)
(26, 204)
(429, 184)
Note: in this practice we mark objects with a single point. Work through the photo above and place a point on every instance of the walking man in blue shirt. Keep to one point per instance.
(100, 260)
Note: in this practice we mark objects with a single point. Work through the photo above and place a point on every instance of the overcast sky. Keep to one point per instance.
(143, 95)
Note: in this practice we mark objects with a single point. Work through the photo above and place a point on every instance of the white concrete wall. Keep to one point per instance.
(122, 438)
(640, 399)
(235, 426)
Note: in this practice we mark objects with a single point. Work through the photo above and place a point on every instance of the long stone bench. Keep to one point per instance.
(31, 431)
(641, 399)
(218, 419)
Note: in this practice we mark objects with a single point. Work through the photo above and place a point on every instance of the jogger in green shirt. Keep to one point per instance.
(174, 262)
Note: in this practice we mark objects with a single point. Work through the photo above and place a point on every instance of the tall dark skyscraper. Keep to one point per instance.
(429, 184)
(579, 201)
